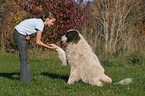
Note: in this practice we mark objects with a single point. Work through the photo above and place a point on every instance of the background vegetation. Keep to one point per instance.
(111, 26)
(115, 29)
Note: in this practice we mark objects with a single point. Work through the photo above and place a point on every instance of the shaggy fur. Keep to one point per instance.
(61, 54)
(85, 65)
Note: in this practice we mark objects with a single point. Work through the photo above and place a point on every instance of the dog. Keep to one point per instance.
(85, 65)
(61, 54)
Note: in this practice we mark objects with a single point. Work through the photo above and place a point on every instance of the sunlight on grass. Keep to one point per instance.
(49, 78)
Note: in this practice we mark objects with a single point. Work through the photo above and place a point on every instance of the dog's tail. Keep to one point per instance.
(124, 81)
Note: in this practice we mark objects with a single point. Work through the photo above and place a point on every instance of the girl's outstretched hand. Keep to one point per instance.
(53, 47)
(27, 38)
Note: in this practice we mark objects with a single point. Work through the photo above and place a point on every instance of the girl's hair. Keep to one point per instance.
(43, 16)
(48, 15)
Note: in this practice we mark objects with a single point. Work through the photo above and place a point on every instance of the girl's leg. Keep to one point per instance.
(23, 55)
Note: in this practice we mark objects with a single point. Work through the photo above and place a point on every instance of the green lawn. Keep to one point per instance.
(49, 78)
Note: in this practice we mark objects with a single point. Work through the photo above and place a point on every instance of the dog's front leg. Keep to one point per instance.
(74, 76)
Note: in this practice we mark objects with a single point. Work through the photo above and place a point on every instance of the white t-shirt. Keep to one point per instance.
(30, 26)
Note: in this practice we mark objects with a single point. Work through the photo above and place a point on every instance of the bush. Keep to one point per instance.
(69, 15)
(11, 16)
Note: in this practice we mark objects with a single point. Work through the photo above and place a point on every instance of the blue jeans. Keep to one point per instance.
(21, 43)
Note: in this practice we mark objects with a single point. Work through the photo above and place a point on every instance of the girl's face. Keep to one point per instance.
(49, 21)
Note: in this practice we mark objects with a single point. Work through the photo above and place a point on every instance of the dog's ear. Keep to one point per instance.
(76, 37)
(73, 36)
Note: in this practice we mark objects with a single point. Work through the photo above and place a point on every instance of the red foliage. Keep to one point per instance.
(69, 15)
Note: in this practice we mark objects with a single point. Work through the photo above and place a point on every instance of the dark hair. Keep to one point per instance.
(72, 36)
(48, 15)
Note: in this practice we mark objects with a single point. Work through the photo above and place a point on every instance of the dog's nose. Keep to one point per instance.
(63, 39)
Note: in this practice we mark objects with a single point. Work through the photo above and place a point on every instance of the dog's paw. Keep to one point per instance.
(53, 45)
(69, 83)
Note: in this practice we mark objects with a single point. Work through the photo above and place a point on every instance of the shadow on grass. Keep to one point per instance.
(55, 76)
(10, 75)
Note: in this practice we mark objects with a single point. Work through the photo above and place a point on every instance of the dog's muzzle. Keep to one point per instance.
(64, 39)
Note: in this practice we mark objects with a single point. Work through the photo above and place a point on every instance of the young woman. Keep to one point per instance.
(22, 32)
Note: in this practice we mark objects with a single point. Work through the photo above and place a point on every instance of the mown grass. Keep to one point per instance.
(49, 78)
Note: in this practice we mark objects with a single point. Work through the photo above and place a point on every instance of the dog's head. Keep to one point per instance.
(71, 36)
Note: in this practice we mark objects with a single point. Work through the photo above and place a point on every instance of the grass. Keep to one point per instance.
(49, 78)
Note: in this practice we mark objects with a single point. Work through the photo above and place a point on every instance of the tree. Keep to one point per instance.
(113, 27)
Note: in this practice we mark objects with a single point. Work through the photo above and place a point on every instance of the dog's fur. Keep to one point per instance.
(61, 54)
(85, 65)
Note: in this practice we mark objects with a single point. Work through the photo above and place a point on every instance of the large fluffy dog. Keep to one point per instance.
(84, 63)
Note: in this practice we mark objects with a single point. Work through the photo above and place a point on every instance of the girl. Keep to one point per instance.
(22, 32)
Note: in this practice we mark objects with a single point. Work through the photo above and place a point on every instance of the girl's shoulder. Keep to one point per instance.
(33, 20)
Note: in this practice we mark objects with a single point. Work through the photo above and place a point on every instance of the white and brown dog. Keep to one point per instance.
(85, 65)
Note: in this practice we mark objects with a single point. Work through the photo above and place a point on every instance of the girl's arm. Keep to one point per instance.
(27, 37)
(39, 42)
